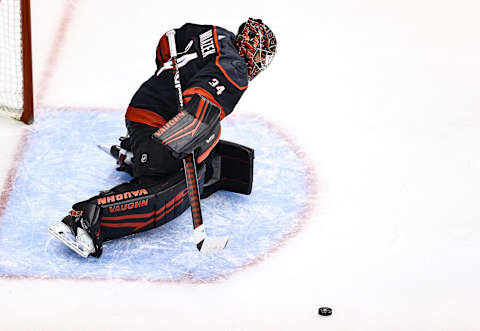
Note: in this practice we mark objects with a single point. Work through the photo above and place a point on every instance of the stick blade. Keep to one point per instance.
(104, 148)
(212, 245)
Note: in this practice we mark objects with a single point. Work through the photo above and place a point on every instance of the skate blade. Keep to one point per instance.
(73, 245)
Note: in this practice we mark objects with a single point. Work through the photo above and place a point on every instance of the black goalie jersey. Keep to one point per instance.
(209, 65)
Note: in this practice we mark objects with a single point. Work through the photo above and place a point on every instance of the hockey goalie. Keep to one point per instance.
(216, 66)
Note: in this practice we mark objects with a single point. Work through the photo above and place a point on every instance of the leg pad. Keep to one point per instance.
(229, 168)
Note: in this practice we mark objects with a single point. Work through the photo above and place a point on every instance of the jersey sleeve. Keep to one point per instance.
(162, 53)
(223, 78)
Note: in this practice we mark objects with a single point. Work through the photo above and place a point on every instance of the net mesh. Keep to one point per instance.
(11, 68)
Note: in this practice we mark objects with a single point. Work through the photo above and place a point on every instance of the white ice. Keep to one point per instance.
(381, 96)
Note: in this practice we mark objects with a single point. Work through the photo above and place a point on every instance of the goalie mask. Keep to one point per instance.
(257, 44)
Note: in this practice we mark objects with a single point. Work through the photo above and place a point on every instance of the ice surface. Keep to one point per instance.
(62, 165)
(385, 105)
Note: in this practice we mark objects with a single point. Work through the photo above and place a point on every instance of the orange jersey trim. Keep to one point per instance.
(217, 62)
(163, 50)
(144, 116)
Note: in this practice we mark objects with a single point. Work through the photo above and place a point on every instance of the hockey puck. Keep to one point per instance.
(325, 311)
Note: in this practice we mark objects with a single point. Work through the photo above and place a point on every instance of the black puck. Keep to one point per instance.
(325, 311)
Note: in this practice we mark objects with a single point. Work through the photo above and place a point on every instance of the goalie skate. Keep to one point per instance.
(81, 244)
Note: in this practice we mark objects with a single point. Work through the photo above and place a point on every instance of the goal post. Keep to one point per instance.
(16, 87)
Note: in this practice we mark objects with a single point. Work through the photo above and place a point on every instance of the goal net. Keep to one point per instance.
(16, 96)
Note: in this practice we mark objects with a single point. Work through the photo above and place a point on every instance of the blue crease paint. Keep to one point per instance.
(62, 165)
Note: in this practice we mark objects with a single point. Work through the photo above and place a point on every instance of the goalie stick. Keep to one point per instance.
(204, 243)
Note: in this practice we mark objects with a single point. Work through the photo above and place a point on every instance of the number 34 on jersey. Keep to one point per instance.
(216, 84)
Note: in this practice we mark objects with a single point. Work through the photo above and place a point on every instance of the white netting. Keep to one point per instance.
(11, 72)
